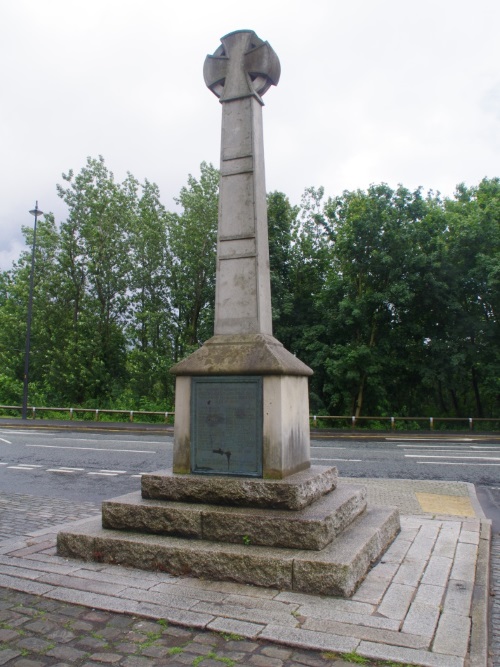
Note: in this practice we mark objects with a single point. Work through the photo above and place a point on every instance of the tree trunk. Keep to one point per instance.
(359, 399)
(477, 395)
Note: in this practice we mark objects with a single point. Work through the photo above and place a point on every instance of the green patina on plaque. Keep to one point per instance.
(226, 426)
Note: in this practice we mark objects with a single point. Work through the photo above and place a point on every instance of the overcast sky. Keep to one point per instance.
(395, 91)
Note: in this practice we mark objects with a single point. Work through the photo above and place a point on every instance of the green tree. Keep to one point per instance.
(193, 242)
(469, 341)
(150, 319)
(282, 219)
(368, 294)
(95, 262)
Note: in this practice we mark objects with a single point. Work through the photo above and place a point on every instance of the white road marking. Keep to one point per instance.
(135, 442)
(449, 438)
(326, 447)
(451, 463)
(351, 460)
(467, 458)
(70, 470)
(436, 448)
(105, 474)
(96, 449)
(6, 441)
(479, 447)
(45, 433)
(453, 451)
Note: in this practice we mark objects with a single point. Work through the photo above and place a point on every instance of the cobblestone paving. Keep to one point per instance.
(21, 514)
(36, 632)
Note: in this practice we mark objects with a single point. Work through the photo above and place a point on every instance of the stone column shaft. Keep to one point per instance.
(243, 295)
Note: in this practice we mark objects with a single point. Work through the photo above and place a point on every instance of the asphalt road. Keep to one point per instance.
(91, 466)
(79, 465)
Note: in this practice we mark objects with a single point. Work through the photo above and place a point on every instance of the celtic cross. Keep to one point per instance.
(242, 66)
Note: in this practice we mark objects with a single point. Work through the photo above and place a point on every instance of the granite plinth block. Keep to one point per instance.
(291, 493)
(338, 569)
(209, 560)
(335, 570)
(134, 513)
(313, 527)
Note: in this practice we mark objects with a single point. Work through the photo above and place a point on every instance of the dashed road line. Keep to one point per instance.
(96, 449)
(70, 470)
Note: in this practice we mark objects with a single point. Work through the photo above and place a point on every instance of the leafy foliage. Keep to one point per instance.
(392, 297)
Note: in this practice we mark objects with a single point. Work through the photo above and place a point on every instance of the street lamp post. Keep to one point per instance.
(24, 414)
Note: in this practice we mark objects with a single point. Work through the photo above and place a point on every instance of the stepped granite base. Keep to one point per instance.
(325, 547)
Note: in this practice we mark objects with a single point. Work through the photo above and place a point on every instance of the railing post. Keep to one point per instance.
(131, 415)
(471, 424)
(353, 421)
(166, 417)
(431, 423)
(71, 413)
(393, 424)
(33, 412)
(315, 421)
(97, 415)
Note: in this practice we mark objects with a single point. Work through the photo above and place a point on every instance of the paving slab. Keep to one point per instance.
(445, 558)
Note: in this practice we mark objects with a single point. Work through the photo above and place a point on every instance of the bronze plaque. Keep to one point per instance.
(226, 426)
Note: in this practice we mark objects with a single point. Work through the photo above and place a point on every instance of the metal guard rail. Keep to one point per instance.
(431, 421)
(96, 412)
(351, 420)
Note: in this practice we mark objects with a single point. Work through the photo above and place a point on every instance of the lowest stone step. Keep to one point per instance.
(335, 570)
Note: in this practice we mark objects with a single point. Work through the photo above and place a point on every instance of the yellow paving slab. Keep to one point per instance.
(435, 503)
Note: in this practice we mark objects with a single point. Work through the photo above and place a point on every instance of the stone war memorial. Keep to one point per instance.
(242, 502)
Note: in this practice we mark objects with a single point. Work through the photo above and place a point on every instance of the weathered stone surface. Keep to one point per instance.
(311, 528)
(241, 354)
(335, 570)
(341, 566)
(131, 512)
(78, 541)
(256, 565)
(293, 493)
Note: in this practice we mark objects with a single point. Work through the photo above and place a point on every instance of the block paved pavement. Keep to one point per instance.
(424, 603)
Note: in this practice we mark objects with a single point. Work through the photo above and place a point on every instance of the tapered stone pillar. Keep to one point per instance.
(242, 399)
